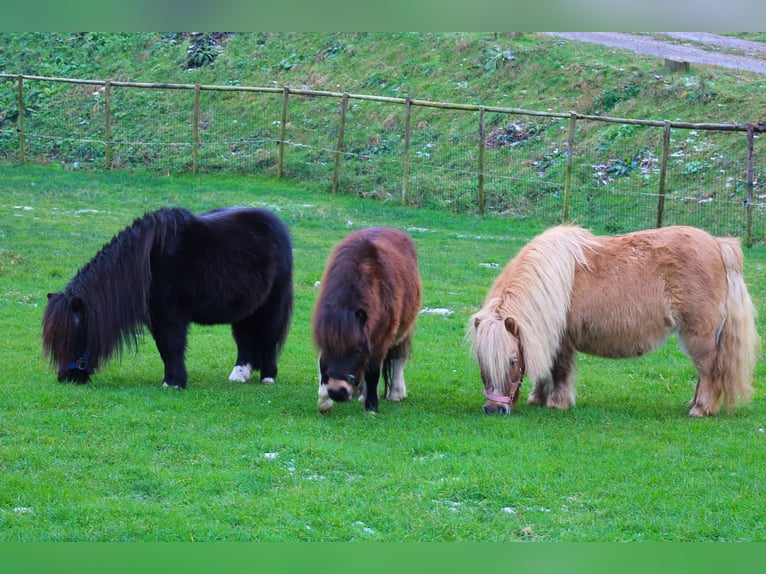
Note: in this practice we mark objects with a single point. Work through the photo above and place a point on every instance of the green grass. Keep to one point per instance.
(122, 459)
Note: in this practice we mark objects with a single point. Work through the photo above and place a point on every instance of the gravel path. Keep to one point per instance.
(708, 49)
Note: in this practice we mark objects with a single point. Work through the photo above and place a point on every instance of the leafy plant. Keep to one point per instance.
(495, 57)
(203, 50)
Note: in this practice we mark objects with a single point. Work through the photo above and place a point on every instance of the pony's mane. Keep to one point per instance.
(114, 285)
(345, 286)
(534, 290)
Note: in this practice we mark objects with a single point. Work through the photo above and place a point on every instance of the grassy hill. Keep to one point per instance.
(617, 171)
(519, 70)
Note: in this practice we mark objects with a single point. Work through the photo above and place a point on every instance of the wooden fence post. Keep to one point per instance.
(339, 148)
(481, 160)
(282, 128)
(570, 163)
(195, 127)
(108, 125)
(663, 172)
(749, 187)
(20, 120)
(406, 167)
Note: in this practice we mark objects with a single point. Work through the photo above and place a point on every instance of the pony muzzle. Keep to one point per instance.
(340, 390)
(501, 404)
(78, 371)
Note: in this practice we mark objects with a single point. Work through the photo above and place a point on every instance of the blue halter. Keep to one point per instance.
(81, 364)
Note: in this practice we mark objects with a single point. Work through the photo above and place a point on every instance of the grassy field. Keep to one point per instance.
(123, 459)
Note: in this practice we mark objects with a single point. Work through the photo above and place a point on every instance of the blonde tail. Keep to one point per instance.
(739, 343)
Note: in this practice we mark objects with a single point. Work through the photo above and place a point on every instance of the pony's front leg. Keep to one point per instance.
(324, 402)
(171, 344)
(371, 379)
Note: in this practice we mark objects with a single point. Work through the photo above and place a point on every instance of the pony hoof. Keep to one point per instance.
(241, 373)
(165, 385)
(325, 407)
(267, 381)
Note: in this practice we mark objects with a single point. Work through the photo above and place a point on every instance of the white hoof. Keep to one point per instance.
(165, 385)
(241, 373)
(267, 381)
(396, 395)
(325, 402)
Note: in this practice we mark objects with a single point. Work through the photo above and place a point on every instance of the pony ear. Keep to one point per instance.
(361, 316)
(512, 327)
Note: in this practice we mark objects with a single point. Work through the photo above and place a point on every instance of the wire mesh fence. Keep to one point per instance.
(607, 173)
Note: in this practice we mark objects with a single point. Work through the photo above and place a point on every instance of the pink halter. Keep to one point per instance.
(506, 400)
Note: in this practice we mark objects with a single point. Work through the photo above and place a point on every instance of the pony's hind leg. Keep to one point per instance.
(397, 357)
(398, 389)
(703, 352)
(256, 351)
(243, 368)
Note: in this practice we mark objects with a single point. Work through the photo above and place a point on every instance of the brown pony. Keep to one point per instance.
(365, 316)
(615, 297)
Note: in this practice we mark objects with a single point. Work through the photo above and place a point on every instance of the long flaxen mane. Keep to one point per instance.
(111, 291)
(534, 290)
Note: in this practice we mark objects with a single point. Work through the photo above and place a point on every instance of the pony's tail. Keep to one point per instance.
(387, 369)
(738, 340)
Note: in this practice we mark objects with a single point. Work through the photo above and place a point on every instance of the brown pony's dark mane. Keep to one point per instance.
(112, 291)
(353, 272)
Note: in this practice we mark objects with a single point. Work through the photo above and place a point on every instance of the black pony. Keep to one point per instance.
(171, 268)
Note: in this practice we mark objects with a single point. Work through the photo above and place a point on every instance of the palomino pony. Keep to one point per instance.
(365, 316)
(167, 270)
(614, 297)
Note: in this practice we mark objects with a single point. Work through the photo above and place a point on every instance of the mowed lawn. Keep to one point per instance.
(123, 459)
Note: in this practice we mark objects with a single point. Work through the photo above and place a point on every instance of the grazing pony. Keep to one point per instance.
(166, 270)
(365, 316)
(615, 297)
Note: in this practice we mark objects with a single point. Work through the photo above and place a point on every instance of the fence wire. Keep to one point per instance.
(447, 156)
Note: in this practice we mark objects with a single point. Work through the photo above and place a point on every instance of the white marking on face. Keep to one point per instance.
(241, 373)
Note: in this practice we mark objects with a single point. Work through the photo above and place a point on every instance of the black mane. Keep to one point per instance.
(114, 285)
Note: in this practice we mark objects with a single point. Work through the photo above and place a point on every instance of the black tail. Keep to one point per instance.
(388, 369)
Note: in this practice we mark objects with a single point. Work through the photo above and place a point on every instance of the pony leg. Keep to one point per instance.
(398, 390)
(257, 349)
(707, 394)
(171, 344)
(556, 391)
(324, 402)
(703, 352)
(562, 395)
(371, 379)
(706, 401)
